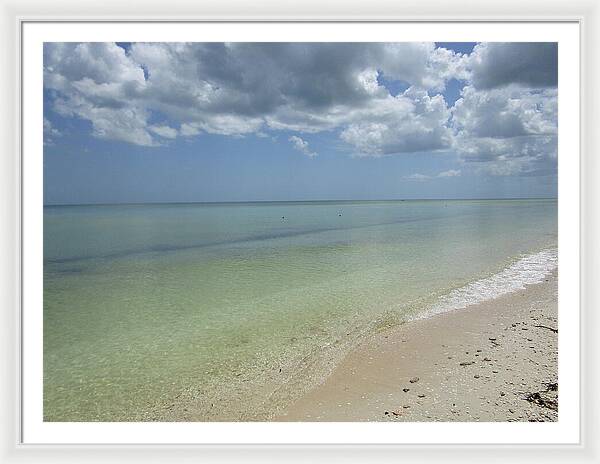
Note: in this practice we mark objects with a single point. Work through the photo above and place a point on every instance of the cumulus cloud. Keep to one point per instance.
(507, 112)
(241, 88)
(505, 121)
(94, 81)
(507, 131)
(302, 146)
(529, 64)
(407, 123)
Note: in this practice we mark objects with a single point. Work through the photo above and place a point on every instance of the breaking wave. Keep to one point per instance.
(527, 270)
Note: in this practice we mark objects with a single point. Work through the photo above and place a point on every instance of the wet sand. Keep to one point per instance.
(494, 361)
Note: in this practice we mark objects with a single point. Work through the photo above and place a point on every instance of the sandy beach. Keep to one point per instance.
(303, 241)
(494, 361)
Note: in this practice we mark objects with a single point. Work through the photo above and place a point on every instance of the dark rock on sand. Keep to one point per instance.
(545, 398)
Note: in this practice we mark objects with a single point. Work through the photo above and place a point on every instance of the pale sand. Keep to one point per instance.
(509, 358)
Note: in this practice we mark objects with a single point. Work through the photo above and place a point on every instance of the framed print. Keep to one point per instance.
(300, 231)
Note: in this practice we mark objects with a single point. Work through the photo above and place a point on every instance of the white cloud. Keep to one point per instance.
(504, 122)
(529, 155)
(507, 112)
(302, 146)
(408, 123)
(49, 129)
(422, 177)
(450, 173)
(104, 62)
(445, 65)
(164, 131)
(239, 88)
(189, 130)
(422, 64)
(94, 81)
(50, 132)
(508, 130)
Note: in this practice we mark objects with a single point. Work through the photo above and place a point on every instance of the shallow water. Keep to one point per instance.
(228, 311)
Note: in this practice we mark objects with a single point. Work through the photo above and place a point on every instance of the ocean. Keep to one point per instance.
(229, 311)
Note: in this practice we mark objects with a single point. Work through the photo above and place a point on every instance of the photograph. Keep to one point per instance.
(300, 231)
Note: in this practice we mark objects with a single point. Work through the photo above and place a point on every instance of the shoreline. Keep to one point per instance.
(492, 361)
(362, 377)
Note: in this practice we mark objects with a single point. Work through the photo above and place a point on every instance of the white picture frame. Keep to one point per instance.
(16, 14)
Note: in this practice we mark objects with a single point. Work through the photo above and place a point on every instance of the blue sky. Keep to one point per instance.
(258, 122)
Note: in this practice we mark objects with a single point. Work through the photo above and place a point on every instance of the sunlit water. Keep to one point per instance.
(230, 311)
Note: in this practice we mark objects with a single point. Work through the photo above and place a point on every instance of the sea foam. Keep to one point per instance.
(528, 270)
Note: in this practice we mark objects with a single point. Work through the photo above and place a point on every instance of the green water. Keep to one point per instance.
(229, 311)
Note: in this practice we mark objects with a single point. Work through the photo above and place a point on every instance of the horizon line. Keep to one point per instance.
(141, 203)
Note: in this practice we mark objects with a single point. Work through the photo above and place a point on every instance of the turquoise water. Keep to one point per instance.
(229, 311)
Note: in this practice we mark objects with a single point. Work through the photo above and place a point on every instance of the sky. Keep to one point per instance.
(211, 122)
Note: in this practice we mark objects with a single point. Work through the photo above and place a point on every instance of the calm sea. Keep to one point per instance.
(230, 311)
